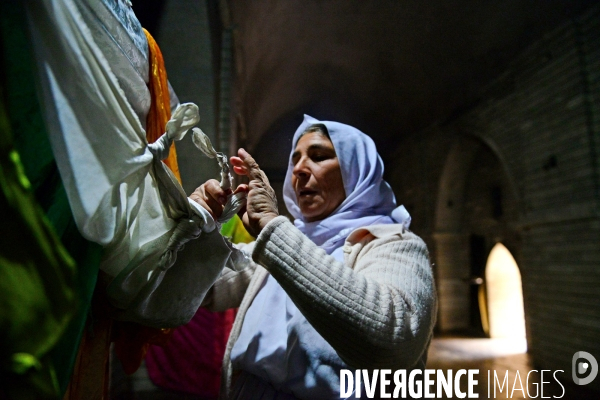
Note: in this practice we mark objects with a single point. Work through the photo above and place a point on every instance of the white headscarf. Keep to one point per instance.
(369, 199)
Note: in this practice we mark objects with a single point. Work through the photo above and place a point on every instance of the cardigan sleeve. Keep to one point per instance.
(379, 314)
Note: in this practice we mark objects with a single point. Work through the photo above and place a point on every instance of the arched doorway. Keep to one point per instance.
(504, 290)
(476, 208)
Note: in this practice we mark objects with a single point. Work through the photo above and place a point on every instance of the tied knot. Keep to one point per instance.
(185, 230)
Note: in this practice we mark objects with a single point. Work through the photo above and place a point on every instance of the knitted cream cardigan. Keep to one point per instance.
(377, 309)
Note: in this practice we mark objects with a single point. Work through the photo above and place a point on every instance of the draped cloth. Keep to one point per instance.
(132, 341)
(191, 361)
(278, 350)
(160, 108)
(122, 196)
(38, 296)
(24, 115)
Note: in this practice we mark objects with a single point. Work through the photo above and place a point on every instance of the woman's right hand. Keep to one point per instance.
(210, 196)
(261, 204)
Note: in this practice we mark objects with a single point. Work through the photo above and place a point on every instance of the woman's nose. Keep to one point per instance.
(300, 169)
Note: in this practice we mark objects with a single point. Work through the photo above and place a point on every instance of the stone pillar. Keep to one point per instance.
(452, 275)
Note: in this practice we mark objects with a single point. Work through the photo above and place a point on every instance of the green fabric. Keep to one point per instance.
(33, 148)
(37, 298)
(234, 229)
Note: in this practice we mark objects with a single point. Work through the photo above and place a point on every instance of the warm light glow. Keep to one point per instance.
(504, 295)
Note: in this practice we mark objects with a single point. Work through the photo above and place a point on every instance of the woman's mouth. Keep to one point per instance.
(306, 192)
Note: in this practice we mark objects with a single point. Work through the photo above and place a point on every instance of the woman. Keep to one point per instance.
(345, 286)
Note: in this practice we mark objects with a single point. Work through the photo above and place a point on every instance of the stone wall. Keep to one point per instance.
(540, 122)
(188, 55)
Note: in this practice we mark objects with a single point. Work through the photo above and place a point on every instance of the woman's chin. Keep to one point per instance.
(311, 214)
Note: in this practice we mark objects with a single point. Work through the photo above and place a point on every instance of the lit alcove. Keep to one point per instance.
(504, 295)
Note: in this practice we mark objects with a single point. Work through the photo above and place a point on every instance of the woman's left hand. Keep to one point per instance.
(261, 206)
(211, 196)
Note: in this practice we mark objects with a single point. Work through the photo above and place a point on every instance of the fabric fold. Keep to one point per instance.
(122, 196)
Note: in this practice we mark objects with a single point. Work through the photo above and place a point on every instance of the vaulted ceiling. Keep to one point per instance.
(388, 67)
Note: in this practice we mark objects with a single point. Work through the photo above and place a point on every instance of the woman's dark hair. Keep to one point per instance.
(318, 128)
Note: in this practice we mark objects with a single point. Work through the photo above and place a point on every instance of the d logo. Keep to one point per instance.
(582, 367)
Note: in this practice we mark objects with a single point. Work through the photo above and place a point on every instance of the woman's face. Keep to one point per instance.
(317, 177)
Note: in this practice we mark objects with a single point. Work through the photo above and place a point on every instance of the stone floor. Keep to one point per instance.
(501, 358)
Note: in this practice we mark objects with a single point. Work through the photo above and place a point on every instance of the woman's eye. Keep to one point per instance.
(320, 157)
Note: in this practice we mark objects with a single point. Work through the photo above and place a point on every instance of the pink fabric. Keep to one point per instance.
(191, 361)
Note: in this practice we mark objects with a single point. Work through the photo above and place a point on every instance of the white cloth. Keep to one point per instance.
(276, 342)
(121, 195)
(278, 345)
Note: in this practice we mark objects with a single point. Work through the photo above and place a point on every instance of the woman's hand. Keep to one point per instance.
(210, 196)
(261, 206)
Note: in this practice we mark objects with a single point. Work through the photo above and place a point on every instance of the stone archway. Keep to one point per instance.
(475, 208)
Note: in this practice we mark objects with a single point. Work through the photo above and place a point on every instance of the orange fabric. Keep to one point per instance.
(132, 340)
(160, 109)
(91, 371)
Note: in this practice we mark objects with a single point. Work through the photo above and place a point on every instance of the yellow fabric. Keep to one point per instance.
(234, 229)
(160, 109)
